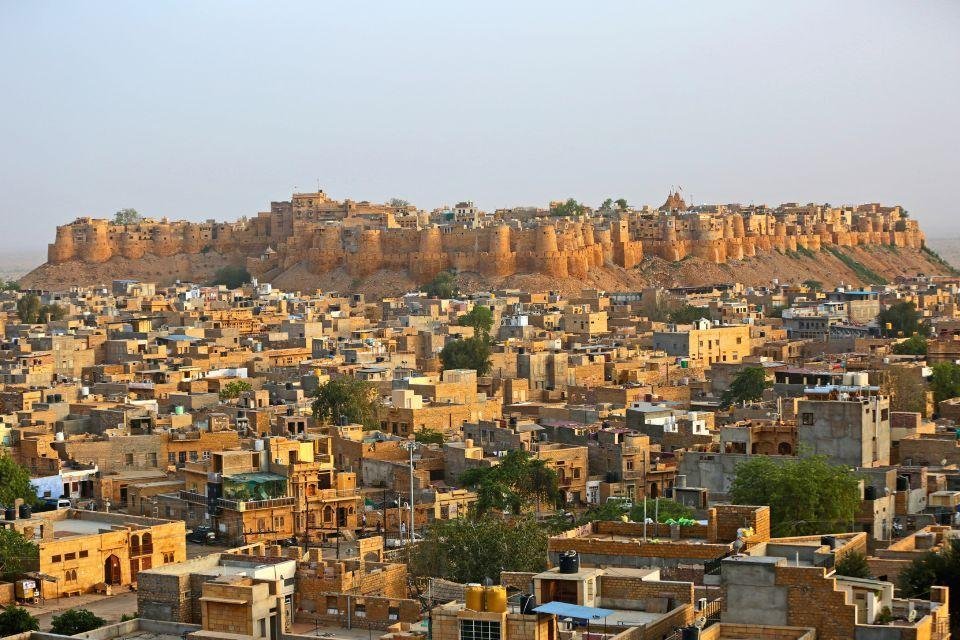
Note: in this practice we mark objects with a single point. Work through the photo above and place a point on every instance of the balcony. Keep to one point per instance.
(250, 505)
(192, 497)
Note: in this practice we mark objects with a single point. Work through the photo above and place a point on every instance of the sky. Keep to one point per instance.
(212, 109)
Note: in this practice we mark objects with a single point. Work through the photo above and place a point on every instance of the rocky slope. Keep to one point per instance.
(855, 265)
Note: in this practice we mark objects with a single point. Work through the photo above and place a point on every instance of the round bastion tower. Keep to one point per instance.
(130, 245)
(63, 248)
(97, 246)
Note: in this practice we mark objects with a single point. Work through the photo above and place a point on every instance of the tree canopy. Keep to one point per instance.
(444, 286)
(28, 308)
(429, 436)
(661, 510)
(234, 388)
(15, 482)
(900, 319)
(853, 565)
(747, 386)
(519, 481)
(17, 554)
(806, 496)
(941, 568)
(350, 397)
(51, 313)
(912, 346)
(480, 318)
(471, 353)
(688, 314)
(906, 389)
(14, 620)
(398, 202)
(126, 216)
(231, 276)
(945, 381)
(472, 549)
(569, 207)
(74, 621)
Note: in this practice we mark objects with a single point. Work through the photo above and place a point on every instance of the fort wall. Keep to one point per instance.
(364, 238)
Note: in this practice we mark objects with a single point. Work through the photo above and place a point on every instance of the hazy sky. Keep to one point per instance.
(212, 109)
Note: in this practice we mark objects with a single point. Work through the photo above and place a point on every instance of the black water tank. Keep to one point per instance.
(828, 541)
(903, 483)
(870, 492)
(527, 603)
(26, 512)
(11, 513)
(690, 633)
(569, 562)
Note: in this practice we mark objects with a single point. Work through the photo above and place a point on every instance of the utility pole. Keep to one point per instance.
(411, 447)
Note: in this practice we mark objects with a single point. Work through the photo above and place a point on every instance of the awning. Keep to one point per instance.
(565, 610)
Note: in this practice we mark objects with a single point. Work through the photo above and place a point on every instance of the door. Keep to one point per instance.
(111, 570)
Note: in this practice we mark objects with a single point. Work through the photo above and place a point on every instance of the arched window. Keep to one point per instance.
(784, 449)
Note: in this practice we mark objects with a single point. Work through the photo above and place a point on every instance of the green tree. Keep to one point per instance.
(17, 554)
(126, 216)
(853, 565)
(622, 204)
(74, 621)
(688, 314)
(28, 308)
(396, 203)
(10, 285)
(472, 353)
(913, 346)
(941, 568)
(350, 397)
(51, 313)
(14, 620)
(945, 381)
(747, 386)
(473, 549)
(806, 496)
(443, 286)
(231, 276)
(15, 482)
(570, 207)
(518, 481)
(906, 389)
(480, 318)
(775, 311)
(900, 319)
(429, 436)
(667, 510)
(606, 206)
(816, 285)
(234, 388)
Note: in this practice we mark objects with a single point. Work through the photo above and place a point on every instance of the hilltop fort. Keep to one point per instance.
(314, 235)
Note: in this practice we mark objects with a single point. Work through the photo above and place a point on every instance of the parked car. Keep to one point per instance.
(202, 535)
(621, 501)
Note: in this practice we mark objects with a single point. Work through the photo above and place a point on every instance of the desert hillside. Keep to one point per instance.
(833, 266)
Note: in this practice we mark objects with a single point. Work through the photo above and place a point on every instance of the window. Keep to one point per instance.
(360, 610)
(84, 554)
(128, 459)
(479, 630)
(70, 556)
(152, 459)
(55, 559)
(171, 457)
(193, 456)
(807, 418)
(332, 607)
(393, 613)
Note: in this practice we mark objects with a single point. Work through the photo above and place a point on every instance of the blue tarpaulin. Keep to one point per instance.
(565, 610)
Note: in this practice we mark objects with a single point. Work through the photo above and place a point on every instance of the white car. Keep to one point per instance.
(395, 543)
